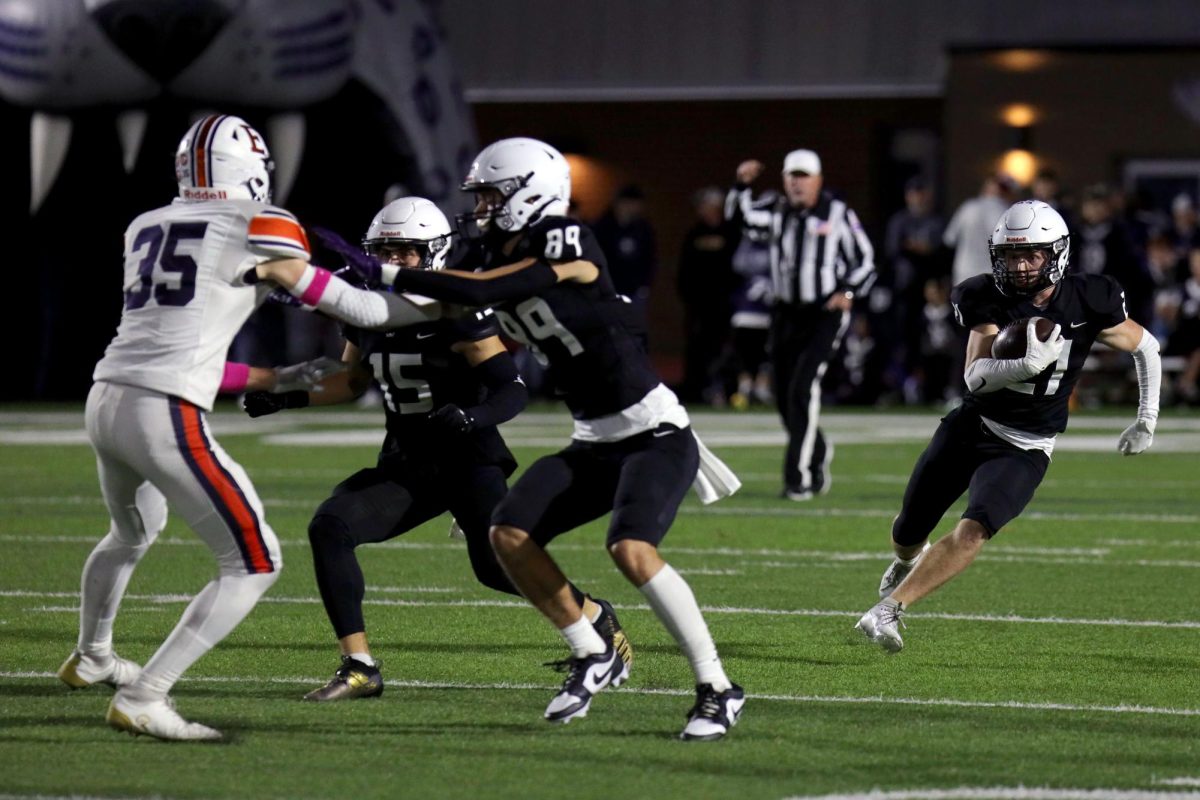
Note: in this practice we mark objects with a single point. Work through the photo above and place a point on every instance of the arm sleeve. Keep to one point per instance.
(479, 291)
(358, 307)
(1149, 374)
(987, 375)
(506, 392)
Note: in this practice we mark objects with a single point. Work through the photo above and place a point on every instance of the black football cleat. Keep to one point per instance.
(353, 680)
(714, 713)
(585, 677)
(610, 630)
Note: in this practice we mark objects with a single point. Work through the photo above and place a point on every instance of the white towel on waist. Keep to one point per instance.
(714, 479)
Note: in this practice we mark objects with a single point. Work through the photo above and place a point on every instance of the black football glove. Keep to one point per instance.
(453, 418)
(259, 404)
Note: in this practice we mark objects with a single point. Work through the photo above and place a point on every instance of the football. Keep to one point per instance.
(1010, 341)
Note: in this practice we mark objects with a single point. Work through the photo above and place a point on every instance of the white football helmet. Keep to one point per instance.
(223, 158)
(533, 179)
(412, 221)
(1030, 225)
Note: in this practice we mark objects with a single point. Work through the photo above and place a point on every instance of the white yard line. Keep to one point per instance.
(803, 558)
(730, 610)
(726, 509)
(781, 698)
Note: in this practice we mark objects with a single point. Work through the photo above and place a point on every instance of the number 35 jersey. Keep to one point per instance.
(1084, 305)
(589, 335)
(185, 295)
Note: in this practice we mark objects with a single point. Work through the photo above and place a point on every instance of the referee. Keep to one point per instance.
(820, 261)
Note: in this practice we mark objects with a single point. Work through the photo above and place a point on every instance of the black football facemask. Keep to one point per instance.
(1017, 283)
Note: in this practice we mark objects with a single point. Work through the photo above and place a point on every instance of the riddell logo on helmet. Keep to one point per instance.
(205, 194)
(1016, 238)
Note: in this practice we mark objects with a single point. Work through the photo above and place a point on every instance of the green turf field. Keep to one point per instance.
(1067, 657)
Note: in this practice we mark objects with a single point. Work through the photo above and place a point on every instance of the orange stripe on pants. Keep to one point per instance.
(247, 521)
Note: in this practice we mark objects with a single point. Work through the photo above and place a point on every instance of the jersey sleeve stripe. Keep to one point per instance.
(273, 246)
(226, 496)
(278, 228)
(278, 233)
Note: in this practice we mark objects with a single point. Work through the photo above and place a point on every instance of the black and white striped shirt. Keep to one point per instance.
(815, 252)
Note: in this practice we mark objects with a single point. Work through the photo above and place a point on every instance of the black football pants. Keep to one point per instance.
(375, 504)
(803, 339)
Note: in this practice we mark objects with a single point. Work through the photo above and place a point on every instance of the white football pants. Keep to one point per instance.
(153, 450)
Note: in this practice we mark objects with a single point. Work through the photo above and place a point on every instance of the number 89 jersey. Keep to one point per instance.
(1084, 305)
(588, 335)
(185, 295)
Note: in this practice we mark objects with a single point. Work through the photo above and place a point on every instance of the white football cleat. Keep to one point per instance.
(586, 676)
(881, 624)
(895, 574)
(714, 713)
(80, 671)
(156, 718)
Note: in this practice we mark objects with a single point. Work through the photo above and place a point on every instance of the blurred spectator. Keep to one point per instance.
(939, 345)
(1184, 339)
(971, 227)
(1183, 233)
(912, 246)
(1141, 215)
(858, 383)
(627, 239)
(1047, 188)
(1105, 249)
(751, 321)
(705, 281)
(1160, 263)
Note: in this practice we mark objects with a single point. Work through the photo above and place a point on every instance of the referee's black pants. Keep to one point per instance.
(803, 339)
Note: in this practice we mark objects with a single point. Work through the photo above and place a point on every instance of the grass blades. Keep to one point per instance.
(1066, 657)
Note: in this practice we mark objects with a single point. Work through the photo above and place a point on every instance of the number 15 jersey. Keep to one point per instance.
(589, 335)
(185, 292)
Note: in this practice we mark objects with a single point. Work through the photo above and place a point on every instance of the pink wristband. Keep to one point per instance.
(235, 378)
(316, 287)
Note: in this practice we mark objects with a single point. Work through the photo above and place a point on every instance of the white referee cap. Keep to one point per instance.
(805, 161)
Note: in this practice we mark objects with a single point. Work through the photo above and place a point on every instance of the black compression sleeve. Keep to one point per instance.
(506, 392)
(478, 291)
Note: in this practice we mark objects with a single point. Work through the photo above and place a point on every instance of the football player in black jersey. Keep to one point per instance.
(997, 444)
(632, 451)
(446, 384)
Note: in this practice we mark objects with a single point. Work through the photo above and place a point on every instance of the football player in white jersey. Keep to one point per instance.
(194, 271)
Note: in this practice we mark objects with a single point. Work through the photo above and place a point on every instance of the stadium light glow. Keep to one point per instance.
(1020, 164)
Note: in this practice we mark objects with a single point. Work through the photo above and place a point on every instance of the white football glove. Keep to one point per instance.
(1039, 354)
(1136, 438)
(307, 375)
